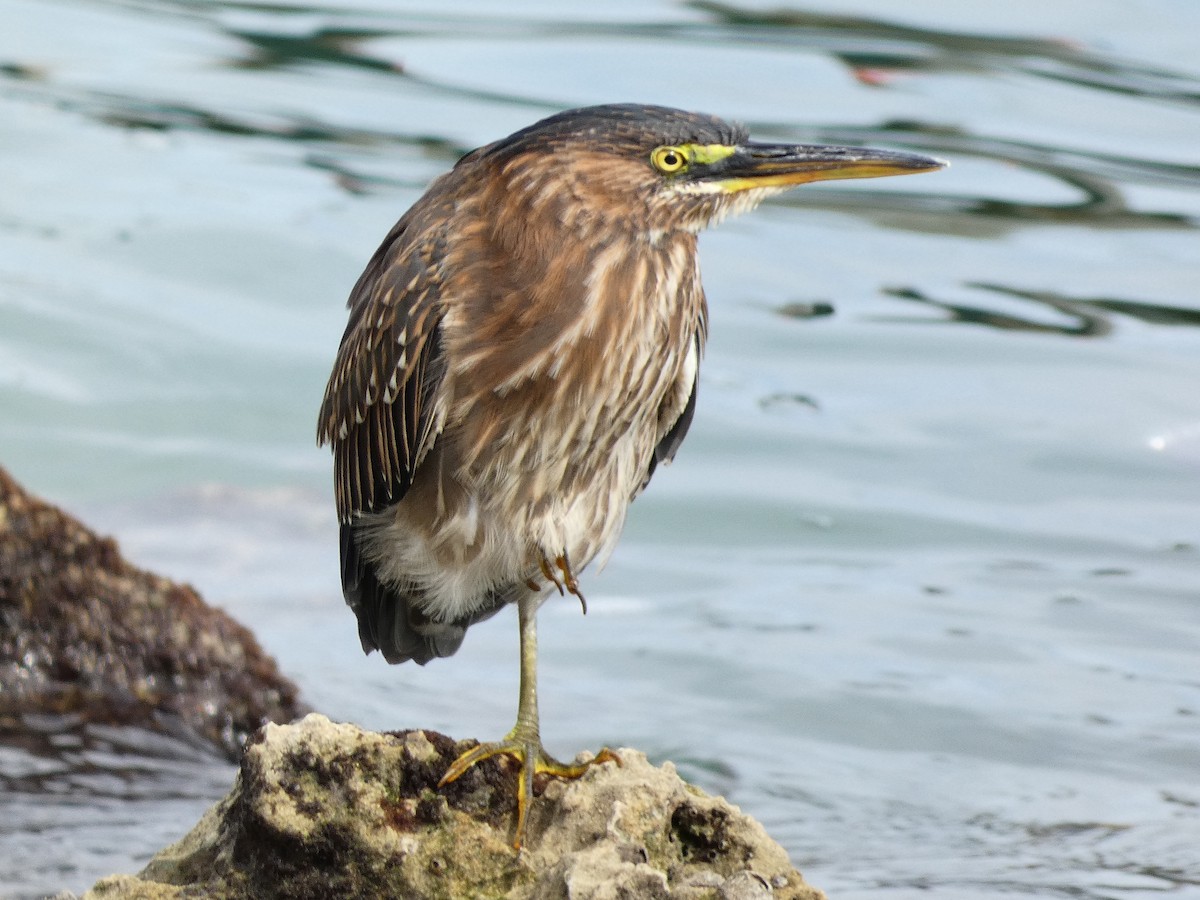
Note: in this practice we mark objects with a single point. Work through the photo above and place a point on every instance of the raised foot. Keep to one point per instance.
(568, 581)
(525, 751)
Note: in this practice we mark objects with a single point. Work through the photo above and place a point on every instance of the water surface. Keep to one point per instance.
(922, 589)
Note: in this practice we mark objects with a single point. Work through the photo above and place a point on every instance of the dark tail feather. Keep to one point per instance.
(389, 619)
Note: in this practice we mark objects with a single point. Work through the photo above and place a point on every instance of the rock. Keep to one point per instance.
(328, 810)
(87, 635)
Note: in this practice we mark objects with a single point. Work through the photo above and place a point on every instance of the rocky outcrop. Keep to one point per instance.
(328, 810)
(86, 634)
(319, 809)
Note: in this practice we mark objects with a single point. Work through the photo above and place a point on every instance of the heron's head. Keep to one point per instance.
(652, 169)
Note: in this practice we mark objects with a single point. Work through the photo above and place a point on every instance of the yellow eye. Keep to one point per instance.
(669, 160)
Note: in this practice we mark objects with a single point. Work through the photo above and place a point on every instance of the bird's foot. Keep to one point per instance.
(568, 583)
(533, 759)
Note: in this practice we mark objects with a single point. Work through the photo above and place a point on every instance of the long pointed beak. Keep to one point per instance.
(782, 165)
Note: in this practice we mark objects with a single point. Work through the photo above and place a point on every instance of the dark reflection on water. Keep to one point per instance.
(1085, 316)
(66, 754)
(865, 43)
(81, 798)
(325, 46)
(1098, 847)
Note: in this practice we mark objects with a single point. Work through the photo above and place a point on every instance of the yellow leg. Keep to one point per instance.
(524, 741)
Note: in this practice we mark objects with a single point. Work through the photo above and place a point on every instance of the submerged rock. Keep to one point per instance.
(328, 810)
(87, 635)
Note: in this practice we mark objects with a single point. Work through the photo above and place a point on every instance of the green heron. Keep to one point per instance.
(521, 354)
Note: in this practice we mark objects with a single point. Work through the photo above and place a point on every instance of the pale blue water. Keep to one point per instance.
(922, 590)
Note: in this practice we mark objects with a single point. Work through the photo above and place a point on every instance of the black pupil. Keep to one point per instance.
(670, 160)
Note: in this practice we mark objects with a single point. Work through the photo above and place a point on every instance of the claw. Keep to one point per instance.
(564, 565)
(533, 759)
(550, 576)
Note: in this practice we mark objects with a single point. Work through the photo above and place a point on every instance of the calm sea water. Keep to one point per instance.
(922, 590)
